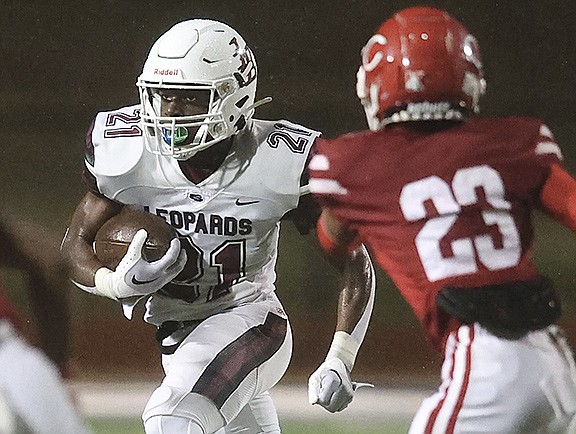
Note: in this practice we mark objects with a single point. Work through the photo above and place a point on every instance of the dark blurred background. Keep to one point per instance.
(63, 61)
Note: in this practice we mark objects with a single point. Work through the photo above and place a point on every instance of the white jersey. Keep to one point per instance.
(229, 223)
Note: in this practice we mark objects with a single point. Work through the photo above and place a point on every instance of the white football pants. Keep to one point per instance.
(219, 376)
(32, 392)
(493, 385)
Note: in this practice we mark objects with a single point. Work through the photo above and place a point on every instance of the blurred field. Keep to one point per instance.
(114, 408)
(289, 426)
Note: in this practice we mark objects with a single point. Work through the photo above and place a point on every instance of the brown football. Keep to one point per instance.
(112, 239)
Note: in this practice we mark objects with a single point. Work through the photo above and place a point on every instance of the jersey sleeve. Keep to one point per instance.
(114, 144)
(545, 148)
(307, 210)
(558, 197)
(299, 142)
(542, 157)
(281, 160)
(325, 170)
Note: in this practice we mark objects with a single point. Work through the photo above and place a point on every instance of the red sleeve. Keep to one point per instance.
(328, 244)
(335, 247)
(558, 196)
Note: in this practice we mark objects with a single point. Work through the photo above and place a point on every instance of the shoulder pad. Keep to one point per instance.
(117, 141)
(297, 138)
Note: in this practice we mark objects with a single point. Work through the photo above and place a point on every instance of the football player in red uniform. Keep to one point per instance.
(33, 394)
(443, 198)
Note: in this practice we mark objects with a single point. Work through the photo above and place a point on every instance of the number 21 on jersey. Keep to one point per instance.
(448, 199)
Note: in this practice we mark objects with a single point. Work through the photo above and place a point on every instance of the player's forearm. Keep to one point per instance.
(77, 249)
(80, 258)
(357, 282)
(355, 306)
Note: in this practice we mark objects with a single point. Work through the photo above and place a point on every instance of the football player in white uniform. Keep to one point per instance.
(191, 153)
(34, 394)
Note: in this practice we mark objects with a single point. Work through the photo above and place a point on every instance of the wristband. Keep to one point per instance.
(345, 348)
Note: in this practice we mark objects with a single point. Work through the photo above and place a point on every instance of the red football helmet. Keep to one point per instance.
(422, 64)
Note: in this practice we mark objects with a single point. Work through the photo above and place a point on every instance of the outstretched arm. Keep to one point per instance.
(330, 385)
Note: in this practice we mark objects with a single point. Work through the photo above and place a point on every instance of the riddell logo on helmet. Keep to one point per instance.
(166, 72)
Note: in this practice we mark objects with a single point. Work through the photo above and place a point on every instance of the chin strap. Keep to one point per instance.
(204, 130)
(257, 104)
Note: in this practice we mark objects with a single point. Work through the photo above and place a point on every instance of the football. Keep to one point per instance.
(112, 239)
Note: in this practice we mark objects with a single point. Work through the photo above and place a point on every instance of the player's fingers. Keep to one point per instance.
(340, 399)
(179, 264)
(329, 384)
(137, 242)
(134, 252)
(171, 255)
(313, 386)
(331, 379)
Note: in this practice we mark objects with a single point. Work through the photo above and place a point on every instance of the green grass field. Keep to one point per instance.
(133, 426)
(114, 408)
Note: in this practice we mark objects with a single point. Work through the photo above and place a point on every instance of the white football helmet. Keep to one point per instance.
(197, 54)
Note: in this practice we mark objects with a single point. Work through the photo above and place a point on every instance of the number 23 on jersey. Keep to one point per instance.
(448, 200)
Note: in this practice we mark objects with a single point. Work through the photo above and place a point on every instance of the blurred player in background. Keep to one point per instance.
(33, 394)
(191, 153)
(444, 200)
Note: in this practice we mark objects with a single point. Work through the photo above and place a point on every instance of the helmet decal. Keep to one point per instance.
(370, 63)
(247, 68)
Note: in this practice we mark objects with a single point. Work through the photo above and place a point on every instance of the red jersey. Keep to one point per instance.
(440, 204)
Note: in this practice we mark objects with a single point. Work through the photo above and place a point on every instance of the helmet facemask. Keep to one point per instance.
(182, 136)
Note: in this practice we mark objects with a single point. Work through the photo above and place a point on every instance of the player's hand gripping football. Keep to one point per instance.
(331, 387)
(134, 276)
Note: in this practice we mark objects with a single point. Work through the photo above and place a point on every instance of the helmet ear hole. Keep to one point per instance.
(241, 123)
(242, 101)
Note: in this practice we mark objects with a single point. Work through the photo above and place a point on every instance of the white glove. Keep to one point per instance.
(134, 276)
(331, 387)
